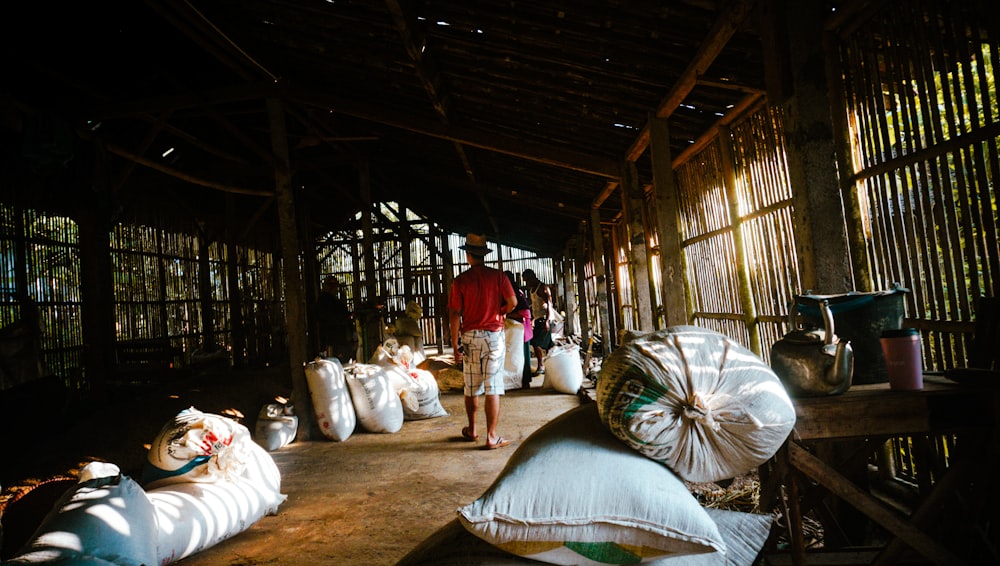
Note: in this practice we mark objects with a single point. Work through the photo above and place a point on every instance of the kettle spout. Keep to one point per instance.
(841, 371)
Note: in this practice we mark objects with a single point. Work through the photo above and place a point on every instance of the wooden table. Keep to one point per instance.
(871, 414)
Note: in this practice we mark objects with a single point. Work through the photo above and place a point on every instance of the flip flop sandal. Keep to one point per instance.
(500, 443)
(467, 436)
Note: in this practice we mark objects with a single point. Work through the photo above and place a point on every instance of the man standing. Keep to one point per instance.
(337, 336)
(541, 312)
(480, 299)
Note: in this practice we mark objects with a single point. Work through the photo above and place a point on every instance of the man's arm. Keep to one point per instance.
(455, 320)
(509, 304)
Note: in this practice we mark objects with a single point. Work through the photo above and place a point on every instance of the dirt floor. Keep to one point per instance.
(367, 500)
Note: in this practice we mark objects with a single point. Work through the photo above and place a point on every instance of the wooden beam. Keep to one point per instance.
(184, 176)
(566, 159)
(828, 477)
(720, 34)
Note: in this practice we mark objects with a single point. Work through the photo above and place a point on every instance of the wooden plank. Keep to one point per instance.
(862, 411)
(864, 502)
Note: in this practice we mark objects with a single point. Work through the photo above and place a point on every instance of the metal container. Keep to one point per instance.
(860, 318)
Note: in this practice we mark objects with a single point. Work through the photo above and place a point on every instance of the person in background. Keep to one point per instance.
(371, 323)
(337, 335)
(408, 332)
(480, 298)
(541, 311)
(522, 314)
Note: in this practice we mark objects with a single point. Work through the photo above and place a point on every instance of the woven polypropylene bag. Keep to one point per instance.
(695, 400)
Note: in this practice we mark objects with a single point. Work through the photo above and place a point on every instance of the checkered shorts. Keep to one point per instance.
(482, 362)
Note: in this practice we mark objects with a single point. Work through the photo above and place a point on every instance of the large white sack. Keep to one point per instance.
(420, 399)
(573, 494)
(331, 398)
(106, 518)
(694, 400)
(191, 517)
(513, 361)
(196, 446)
(563, 369)
(276, 426)
(376, 401)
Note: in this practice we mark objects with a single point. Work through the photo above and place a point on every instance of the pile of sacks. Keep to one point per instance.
(604, 483)
(205, 480)
(378, 396)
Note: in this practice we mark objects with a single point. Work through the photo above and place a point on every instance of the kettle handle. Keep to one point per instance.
(824, 307)
(793, 313)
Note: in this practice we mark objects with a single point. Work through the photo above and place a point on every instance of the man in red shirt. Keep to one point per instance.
(480, 299)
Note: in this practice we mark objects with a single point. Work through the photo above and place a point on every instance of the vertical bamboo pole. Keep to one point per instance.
(748, 305)
(295, 321)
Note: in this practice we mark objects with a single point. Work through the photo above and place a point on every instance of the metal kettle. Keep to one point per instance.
(813, 362)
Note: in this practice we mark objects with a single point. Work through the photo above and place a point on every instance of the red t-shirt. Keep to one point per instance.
(479, 293)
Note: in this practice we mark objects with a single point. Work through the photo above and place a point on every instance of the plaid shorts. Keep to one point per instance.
(482, 362)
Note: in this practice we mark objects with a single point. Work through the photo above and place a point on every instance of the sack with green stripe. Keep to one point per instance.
(694, 400)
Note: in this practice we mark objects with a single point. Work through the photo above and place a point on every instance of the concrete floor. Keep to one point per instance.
(372, 498)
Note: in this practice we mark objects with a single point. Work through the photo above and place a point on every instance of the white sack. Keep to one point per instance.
(194, 516)
(276, 427)
(694, 400)
(563, 369)
(376, 401)
(513, 361)
(331, 398)
(421, 396)
(573, 494)
(104, 519)
(196, 446)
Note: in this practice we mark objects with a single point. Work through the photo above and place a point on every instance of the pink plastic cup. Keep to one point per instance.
(903, 362)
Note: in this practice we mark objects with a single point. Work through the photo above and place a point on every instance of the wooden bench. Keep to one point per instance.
(147, 360)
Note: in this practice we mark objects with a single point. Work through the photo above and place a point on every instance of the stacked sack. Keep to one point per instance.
(205, 480)
(680, 404)
(417, 388)
(696, 401)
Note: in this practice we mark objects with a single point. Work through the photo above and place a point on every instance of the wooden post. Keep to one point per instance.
(818, 210)
(440, 299)
(295, 320)
(205, 296)
(449, 276)
(569, 326)
(97, 294)
(236, 322)
(368, 247)
(602, 279)
(672, 279)
(583, 301)
(633, 201)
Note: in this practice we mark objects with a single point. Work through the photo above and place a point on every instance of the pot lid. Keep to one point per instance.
(813, 336)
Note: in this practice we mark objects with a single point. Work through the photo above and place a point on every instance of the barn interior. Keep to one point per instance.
(177, 178)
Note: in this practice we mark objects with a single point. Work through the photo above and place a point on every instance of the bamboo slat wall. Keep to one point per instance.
(40, 278)
(759, 207)
(925, 125)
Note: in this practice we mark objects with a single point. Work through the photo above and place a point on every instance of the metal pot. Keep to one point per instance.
(813, 362)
